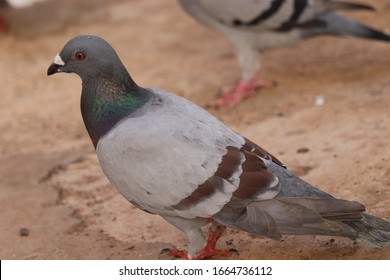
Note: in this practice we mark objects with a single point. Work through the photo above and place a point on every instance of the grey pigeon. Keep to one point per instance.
(170, 157)
(252, 26)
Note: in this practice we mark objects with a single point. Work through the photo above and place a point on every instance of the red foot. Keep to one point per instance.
(209, 249)
(178, 254)
(233, 95)
(3, 25)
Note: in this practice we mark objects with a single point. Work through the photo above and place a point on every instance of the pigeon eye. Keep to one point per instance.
(80, 56)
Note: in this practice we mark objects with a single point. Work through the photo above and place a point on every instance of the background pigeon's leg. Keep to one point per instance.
(3, 25)
(3, 6)
(252, 84)
(233, 95)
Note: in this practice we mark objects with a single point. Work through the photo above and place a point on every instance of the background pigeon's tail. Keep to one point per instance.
(372, 230)
(336, 5)
(338, 25)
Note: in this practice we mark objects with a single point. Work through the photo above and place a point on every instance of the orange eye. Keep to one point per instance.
(80, 56)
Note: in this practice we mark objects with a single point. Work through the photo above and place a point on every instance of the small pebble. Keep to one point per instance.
(319, 100)
(229, 242)
(234, 251)
(24, 231)
(303, 150)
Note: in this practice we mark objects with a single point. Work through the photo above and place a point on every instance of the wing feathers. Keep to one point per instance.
(245, 171)
(264, 15)
(255, 220)
(230, 164)
(252, 147)
(203, 192)
(255, 179)
(299, 8)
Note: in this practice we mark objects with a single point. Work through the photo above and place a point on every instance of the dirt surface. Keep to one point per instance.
(56, 203)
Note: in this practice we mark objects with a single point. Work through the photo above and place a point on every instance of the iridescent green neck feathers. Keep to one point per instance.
(105, 102)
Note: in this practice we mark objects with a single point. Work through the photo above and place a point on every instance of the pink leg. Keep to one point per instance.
(209, 250)
(233, 95)
(3, 25)
(178, 254)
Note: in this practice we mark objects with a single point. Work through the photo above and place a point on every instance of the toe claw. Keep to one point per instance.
(175, 253)
(165, 251)
(234, 251)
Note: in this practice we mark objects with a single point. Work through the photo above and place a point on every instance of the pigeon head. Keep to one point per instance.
(88, 56)
(108, 94)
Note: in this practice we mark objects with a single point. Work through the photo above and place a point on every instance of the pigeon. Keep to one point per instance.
(3, 6)
(252, 26)
(170, 157)
(15, 4)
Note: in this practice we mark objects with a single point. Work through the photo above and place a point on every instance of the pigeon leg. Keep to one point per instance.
(3, 25)
(233, 95)
(209, 250)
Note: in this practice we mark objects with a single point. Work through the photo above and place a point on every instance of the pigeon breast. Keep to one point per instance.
(156, 159)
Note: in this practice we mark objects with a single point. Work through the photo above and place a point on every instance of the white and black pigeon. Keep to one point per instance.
(252, 26)
(170, 157)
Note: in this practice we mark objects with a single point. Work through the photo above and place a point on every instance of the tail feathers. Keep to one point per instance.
(339, 25)
(299, 216)
(372, 230)
(331, 209)
(292, 216)
(333, 5)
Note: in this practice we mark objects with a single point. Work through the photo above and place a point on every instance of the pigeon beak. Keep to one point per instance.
(55, 67)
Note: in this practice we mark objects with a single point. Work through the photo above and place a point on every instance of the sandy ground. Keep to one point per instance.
(56, 203)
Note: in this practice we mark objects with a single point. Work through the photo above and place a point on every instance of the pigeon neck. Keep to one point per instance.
(105, 102)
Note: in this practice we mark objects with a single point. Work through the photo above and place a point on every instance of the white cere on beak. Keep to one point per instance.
(58, 60)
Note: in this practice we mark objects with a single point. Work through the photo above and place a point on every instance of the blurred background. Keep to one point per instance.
(55, 202)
